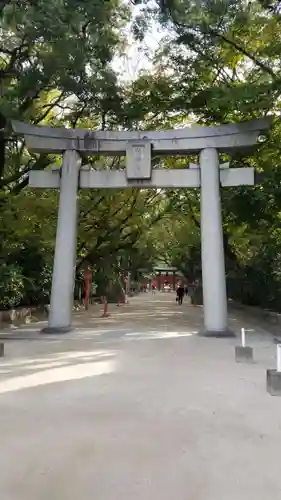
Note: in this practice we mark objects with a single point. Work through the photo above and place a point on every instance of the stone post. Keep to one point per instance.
(60, 317)
(212, 250)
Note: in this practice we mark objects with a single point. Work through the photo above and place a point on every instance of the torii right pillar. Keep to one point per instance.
(212, 248)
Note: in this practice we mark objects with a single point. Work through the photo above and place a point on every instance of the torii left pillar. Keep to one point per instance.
(60, 317)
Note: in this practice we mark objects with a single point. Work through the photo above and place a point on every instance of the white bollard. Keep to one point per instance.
(243, 337)
(278, 357)
(273, 377)
(243, 353)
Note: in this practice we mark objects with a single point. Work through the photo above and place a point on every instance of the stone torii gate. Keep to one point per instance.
(139, 147)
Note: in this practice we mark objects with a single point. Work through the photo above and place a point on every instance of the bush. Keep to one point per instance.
(11, 286)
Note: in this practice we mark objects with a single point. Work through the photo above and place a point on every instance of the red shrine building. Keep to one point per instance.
(164, 277)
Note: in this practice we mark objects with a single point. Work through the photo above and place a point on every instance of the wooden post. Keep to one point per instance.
(87, 287)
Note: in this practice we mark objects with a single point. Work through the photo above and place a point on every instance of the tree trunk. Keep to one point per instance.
(2, 144)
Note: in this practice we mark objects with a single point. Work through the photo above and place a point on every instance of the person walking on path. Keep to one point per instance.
(180, 293)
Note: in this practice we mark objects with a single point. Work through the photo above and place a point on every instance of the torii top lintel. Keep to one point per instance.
(230, 137)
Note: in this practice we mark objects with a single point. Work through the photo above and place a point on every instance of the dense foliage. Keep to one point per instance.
(219, 61)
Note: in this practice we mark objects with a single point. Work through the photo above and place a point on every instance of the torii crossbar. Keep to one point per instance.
(139, 148)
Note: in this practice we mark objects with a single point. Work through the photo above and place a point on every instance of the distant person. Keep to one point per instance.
(180, 293)
(186, 289)
(153, 290)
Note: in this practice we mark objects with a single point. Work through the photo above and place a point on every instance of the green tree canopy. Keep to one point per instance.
(217, 62)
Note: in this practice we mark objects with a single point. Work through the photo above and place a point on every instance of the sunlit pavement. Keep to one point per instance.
(137, 406)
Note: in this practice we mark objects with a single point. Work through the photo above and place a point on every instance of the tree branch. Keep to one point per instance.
(215, 34)
(245, 52)
(41, 163)
(48, 108)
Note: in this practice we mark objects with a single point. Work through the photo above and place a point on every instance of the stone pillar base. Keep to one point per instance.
(273, 382)
(56, 329)
(219, 334)
(243, 354)
(197, 296)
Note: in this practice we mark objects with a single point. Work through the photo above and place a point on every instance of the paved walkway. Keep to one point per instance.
(137, 406)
